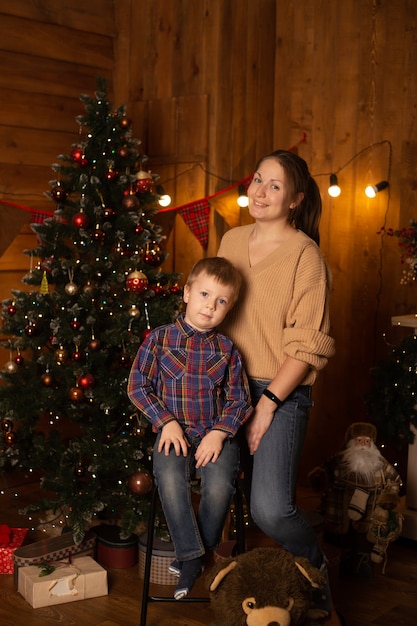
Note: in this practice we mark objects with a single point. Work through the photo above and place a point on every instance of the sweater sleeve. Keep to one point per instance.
(306, 335)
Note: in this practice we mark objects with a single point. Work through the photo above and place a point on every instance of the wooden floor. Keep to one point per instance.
(382, 600)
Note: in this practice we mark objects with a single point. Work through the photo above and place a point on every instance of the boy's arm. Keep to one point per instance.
(141, 386)
(237, 406)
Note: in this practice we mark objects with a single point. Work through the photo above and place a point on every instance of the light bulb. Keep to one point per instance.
(334, 190)
(165, 200)
(372, 190)
(243, 200)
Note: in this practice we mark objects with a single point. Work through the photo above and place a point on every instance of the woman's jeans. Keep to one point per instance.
(193, 535)
(275, 467)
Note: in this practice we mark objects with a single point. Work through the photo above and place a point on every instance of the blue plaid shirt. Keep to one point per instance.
(194, 377)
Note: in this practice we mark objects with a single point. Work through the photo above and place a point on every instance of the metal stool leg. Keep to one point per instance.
(148, 559)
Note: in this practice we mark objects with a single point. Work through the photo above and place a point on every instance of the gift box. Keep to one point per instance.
(112, 551)
(162, 556)
(10, 540)
(53, 549)
(79, 580)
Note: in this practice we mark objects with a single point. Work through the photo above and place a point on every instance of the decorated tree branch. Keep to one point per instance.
(94, 290)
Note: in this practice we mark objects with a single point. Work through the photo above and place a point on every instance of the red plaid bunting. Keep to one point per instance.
(196, 215)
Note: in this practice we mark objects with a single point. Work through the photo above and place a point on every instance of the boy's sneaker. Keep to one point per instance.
(321, 606)
(175, 568)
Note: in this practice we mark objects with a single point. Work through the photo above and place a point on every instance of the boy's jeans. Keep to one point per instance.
(194, 535)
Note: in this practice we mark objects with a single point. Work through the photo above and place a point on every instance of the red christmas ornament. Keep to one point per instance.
(19, 360)
(80, 220)
(158, 289)
(137, 282)
(86, 381)
(77, 154)
(11, 309)
(143, 182)
(77, 355)
(175, 288)
(75, 324)
(140, 483)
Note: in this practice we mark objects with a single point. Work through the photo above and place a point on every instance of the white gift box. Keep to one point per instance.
(82, 579)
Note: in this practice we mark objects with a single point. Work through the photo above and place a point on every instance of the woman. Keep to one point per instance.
(281, 328)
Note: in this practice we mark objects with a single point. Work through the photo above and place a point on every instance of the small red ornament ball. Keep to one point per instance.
(136, 282)
(77, 154)
(80, 220)
(86, 381)
(11, 309)
(143, 182)
(19, 360)
(140, 483)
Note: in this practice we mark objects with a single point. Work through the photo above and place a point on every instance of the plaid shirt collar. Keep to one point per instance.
(189, 331)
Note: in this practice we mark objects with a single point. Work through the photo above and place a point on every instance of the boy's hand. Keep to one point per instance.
(173, 434)
(210, 448)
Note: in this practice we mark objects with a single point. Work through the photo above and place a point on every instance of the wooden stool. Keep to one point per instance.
(146, 598)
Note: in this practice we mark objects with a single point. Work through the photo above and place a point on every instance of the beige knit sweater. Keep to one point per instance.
(283, 306)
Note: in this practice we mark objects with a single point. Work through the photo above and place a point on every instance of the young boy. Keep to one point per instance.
(188, 380)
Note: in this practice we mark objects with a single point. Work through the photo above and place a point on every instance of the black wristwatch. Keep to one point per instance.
(273, 397)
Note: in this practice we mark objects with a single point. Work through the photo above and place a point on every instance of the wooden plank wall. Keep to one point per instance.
(210, 86)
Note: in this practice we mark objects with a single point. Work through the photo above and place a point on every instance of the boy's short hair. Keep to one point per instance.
(219, 268)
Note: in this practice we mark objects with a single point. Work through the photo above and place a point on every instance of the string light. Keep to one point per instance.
(334, 190)
(372, 190)
(242, 200)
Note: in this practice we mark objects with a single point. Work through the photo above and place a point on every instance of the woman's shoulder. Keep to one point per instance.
(238, 232)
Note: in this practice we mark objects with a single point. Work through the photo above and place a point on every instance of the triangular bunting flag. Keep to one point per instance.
(197, 215)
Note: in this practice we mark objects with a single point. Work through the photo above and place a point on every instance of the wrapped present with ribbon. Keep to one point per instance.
(10, 540)
(60, 583)
(59, 548)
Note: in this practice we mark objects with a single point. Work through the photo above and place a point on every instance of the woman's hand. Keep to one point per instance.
(173, 434)
(210, 448)
(260, 421)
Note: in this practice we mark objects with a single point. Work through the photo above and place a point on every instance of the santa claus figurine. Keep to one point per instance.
(361, 491)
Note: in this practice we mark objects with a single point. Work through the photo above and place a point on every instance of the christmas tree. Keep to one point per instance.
(94, 292)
